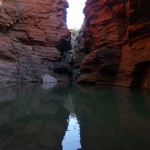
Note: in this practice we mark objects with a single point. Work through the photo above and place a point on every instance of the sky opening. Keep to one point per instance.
(75, 14)
(0, 2)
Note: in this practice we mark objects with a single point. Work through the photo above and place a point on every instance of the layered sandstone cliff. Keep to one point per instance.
(134, 69)
(117, 43)
(33, 38)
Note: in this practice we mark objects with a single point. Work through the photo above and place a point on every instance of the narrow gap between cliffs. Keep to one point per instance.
(75, 23)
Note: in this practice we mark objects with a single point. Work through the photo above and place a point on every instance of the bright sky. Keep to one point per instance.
(75, 14)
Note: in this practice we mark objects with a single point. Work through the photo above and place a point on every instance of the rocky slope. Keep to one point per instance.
(33, 38)
(117, 43)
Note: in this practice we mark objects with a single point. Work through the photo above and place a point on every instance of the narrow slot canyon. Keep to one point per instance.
(39, 42)
(74, 75)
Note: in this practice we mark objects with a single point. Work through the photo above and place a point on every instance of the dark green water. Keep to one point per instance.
(66, 117)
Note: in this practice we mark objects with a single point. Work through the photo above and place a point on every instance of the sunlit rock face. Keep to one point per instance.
(117, 43)
(33, 38)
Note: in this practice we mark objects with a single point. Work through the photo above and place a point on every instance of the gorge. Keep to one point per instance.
(60, 88)
(113, 49)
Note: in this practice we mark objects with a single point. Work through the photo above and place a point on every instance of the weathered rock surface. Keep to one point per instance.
(117, 43)
(134, 67)
(100, 66)
(33, 38)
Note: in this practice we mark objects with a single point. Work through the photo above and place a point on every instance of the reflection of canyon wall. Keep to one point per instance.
(117, 42)
(113, 118)
(109, 118)
(30, 118)
(33, 37)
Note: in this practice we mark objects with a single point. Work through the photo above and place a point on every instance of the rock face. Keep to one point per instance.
(33, 38)
(134, 69)
(117, 43)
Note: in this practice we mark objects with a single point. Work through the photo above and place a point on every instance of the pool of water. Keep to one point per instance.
(73, 117)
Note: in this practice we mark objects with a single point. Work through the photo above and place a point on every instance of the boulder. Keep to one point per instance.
(48, 79)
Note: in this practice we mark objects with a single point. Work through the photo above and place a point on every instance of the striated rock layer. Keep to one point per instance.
(117, 43)
(33, 38)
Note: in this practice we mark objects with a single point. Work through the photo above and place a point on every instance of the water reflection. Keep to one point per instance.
(106, 118)
(71, 140)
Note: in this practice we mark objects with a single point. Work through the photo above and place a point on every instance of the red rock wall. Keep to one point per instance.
(117, 42)
(134, 69)
(33, 37)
